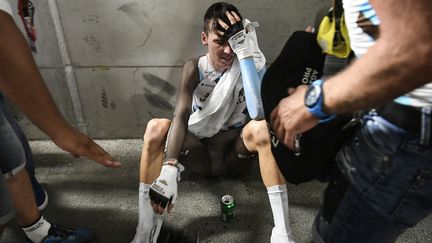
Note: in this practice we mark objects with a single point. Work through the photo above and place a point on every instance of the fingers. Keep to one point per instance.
(285, 135)
(232, 17)
(170, 207)
(289, 140)
(99, 155)
(223, 24)
(159, 209)
(236, 17)
(309, 28)
(291, 91)
(94, 152)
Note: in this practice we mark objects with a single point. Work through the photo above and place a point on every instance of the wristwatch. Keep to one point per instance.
(314, 98)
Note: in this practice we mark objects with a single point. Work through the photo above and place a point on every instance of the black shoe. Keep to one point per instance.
(169, 234)
(40, 193)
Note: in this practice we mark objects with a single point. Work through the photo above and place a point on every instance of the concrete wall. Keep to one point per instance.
(112, 65)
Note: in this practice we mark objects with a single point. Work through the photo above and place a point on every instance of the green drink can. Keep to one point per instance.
(227, 208)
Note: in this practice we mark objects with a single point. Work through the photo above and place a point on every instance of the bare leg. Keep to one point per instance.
(256, 137)
(23, 198)
(152, 151)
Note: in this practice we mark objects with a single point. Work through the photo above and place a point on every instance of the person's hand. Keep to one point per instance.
(163, 191)
(291, 117)
(310, 29)
(235, 34)
(79, 145)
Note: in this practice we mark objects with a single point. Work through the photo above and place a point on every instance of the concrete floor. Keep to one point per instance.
(85, 194)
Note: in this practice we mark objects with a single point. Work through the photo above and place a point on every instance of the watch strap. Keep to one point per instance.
(317, 108)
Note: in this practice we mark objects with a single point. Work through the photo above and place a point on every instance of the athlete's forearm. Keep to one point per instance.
(399, 62)
(179, 124)
(176, 136)
(252, 88)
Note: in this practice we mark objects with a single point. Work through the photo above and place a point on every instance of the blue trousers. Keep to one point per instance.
(389, 189)
(20, 134)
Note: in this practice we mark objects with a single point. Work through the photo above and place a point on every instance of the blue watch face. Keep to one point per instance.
(312, 95)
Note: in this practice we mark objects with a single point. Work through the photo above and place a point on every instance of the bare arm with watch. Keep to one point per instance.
(369, 81)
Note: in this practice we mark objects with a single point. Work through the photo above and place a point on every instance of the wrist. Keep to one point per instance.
(173, 164)
(239, 44)
(314, 101)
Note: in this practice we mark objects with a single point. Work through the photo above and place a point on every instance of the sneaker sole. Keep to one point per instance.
(45, 203)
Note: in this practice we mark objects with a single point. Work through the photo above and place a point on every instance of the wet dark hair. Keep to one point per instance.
(217, 11)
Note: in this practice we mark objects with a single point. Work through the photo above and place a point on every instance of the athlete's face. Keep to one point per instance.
(220, 53)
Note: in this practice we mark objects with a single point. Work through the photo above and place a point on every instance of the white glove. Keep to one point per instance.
(163, 191)
(240, 45)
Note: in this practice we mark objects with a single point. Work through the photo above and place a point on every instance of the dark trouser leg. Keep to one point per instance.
(238, 159)
(194, 156)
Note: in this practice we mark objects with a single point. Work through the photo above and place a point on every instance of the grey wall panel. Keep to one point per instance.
(118, 102)
(165, 32)
(54, 79)
(129, 33)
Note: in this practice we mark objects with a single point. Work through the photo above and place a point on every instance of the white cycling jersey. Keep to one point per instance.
(208, 80)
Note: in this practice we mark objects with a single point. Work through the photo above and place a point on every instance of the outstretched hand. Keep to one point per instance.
(79, 145)
(291, 117)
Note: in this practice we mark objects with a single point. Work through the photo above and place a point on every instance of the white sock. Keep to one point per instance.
(145, 215)
(37, 231)
(278, 197)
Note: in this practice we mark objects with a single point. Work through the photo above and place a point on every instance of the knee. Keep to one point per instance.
(256, 133)
(156, 132)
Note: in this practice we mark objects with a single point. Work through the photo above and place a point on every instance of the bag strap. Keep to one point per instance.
(338, 8)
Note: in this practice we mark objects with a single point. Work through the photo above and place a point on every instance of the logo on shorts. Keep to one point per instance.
(309, 75)
(273, 138)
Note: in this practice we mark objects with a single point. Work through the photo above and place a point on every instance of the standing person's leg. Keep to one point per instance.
(39, 191)
(12, 163)
(12, 166)
(36, 228)
(256, 139)
(6, 208)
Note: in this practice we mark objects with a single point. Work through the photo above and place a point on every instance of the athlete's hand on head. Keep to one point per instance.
(291, 117)
(229, 26)
(163, 191)
(231, 30)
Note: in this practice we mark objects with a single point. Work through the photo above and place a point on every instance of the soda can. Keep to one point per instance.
(227, 208)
